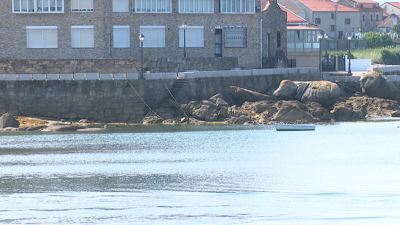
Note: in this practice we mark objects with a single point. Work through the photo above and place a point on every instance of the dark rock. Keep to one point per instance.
(62, 128)
(216, 97)
(374, 85)
(206, 112)
(241, 95)
(220, 103)
(152, 120)
(320, 113)
(396, 114)
(238, 120)
(291, 111)
(223, 112)
(8, 121)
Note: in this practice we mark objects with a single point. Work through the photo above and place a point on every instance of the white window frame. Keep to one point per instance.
(80, 6)
(152, 32)
(80, 29)
(116, 36)
(194, 37)
(38, 6)
(196, 6)
(235, 40)
(46, 32)
(152, 6)
(120, 5)
(238, 6)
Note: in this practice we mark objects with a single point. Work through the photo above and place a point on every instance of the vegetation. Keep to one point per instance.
(396, 28)
(388, 55)
(376, 40)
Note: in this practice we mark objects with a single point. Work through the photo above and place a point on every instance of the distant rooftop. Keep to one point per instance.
(326, 6)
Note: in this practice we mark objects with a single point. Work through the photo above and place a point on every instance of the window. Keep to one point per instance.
(371, 18)
(38, 6)
(347, 21)
(377, 18)
(235, 36)
(82, 5)
(278, 39)
(194, 36)
(332, 15)
(120, 5)
(152, 6)
(196, 6)
(41, 37)
(82, 37)
(121, 37)
(237, 6)
(154, 36)
(363, 18)
(317, 20)
(332, 27)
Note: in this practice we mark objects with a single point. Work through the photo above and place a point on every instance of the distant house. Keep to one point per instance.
(338, 21)
(293, 7)
(371, 14)
(391, 8)
(386, 26)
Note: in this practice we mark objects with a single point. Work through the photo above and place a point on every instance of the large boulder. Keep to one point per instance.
(287, 90)
(8, 121)
(292, 111)
(324, 92)
(241, 95)
(374, 85)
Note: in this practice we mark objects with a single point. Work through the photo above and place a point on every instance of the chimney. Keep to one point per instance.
(336, 8)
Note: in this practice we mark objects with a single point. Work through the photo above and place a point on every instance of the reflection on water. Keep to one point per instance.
(345, 172)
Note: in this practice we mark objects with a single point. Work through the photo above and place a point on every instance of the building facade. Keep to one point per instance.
(110, 29)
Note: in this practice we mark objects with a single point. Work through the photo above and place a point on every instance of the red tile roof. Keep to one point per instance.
(326, 6)
(395, 4)
(292, 17)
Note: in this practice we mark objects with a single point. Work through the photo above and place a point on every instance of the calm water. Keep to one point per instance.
(346, 173)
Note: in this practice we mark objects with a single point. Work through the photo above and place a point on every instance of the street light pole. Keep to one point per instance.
(184, 39)
(141, 38)
(326, 49)
(349, 37)
(320, 65)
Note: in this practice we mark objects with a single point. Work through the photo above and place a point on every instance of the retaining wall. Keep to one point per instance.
(110, 98)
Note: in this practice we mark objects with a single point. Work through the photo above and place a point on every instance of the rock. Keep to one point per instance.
(10, 129)
(34, 128)
(165, 113)
(92, 129)
(62, 128)
(241, 95)
(216, 97)
(223, 112)
(324, 92)
(291, 111)
(374, 85)
(84, 121)
(206, 112)
(8, 121)
(238, 120)
(220, 103)
(287, 90)
(320, 113)
(206, 102)
(152, 120)
(256, 107)
(396, 114)
(356, 108)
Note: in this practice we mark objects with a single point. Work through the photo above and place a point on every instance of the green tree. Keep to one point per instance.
(386, 41)
(373, 39)
(396, 28)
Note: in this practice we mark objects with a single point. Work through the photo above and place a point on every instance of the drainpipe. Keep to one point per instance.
(336, 27)
(261, 33)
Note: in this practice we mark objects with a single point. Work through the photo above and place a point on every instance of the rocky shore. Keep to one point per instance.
(292, 102)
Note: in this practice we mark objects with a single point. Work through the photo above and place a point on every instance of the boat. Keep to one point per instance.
(293, 127)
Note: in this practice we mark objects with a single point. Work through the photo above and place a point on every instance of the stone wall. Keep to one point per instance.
(115, 100)
(67, 66)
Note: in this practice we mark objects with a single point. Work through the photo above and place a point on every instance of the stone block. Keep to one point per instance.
(38, 76)
(304, 70)
(284, 71)
(2, 77)
(262, 72)
(187, 75)
(131, 76)
(66, 76)
(202, 74)
(210, 74)
(148, 76)
(293, 70)
(270, 71)
(157, 76)
(314, 70)
(218, 73)
(247, 72)
(277, 71)
(165, 76)
(226, 73)
(240, 73)
(79, 76)
(25, 77)
(52, 76)
(105, 76)
(119, 76)
(92, 76)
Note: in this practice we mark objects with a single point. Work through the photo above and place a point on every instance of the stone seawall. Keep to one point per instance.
(115, 100)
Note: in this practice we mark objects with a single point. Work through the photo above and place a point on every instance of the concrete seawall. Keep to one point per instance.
(114, 100)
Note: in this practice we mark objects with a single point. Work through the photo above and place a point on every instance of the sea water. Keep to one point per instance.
(344, 173)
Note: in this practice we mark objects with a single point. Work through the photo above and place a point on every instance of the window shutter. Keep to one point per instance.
(235, 37)
(50, 39)
(121, 37)
(154, 36)
(35, 39)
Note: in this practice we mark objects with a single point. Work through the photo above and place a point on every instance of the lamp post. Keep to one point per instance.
(320, 65)
(184, 39)
(326, 49)
(349, 37)
(141, 38)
